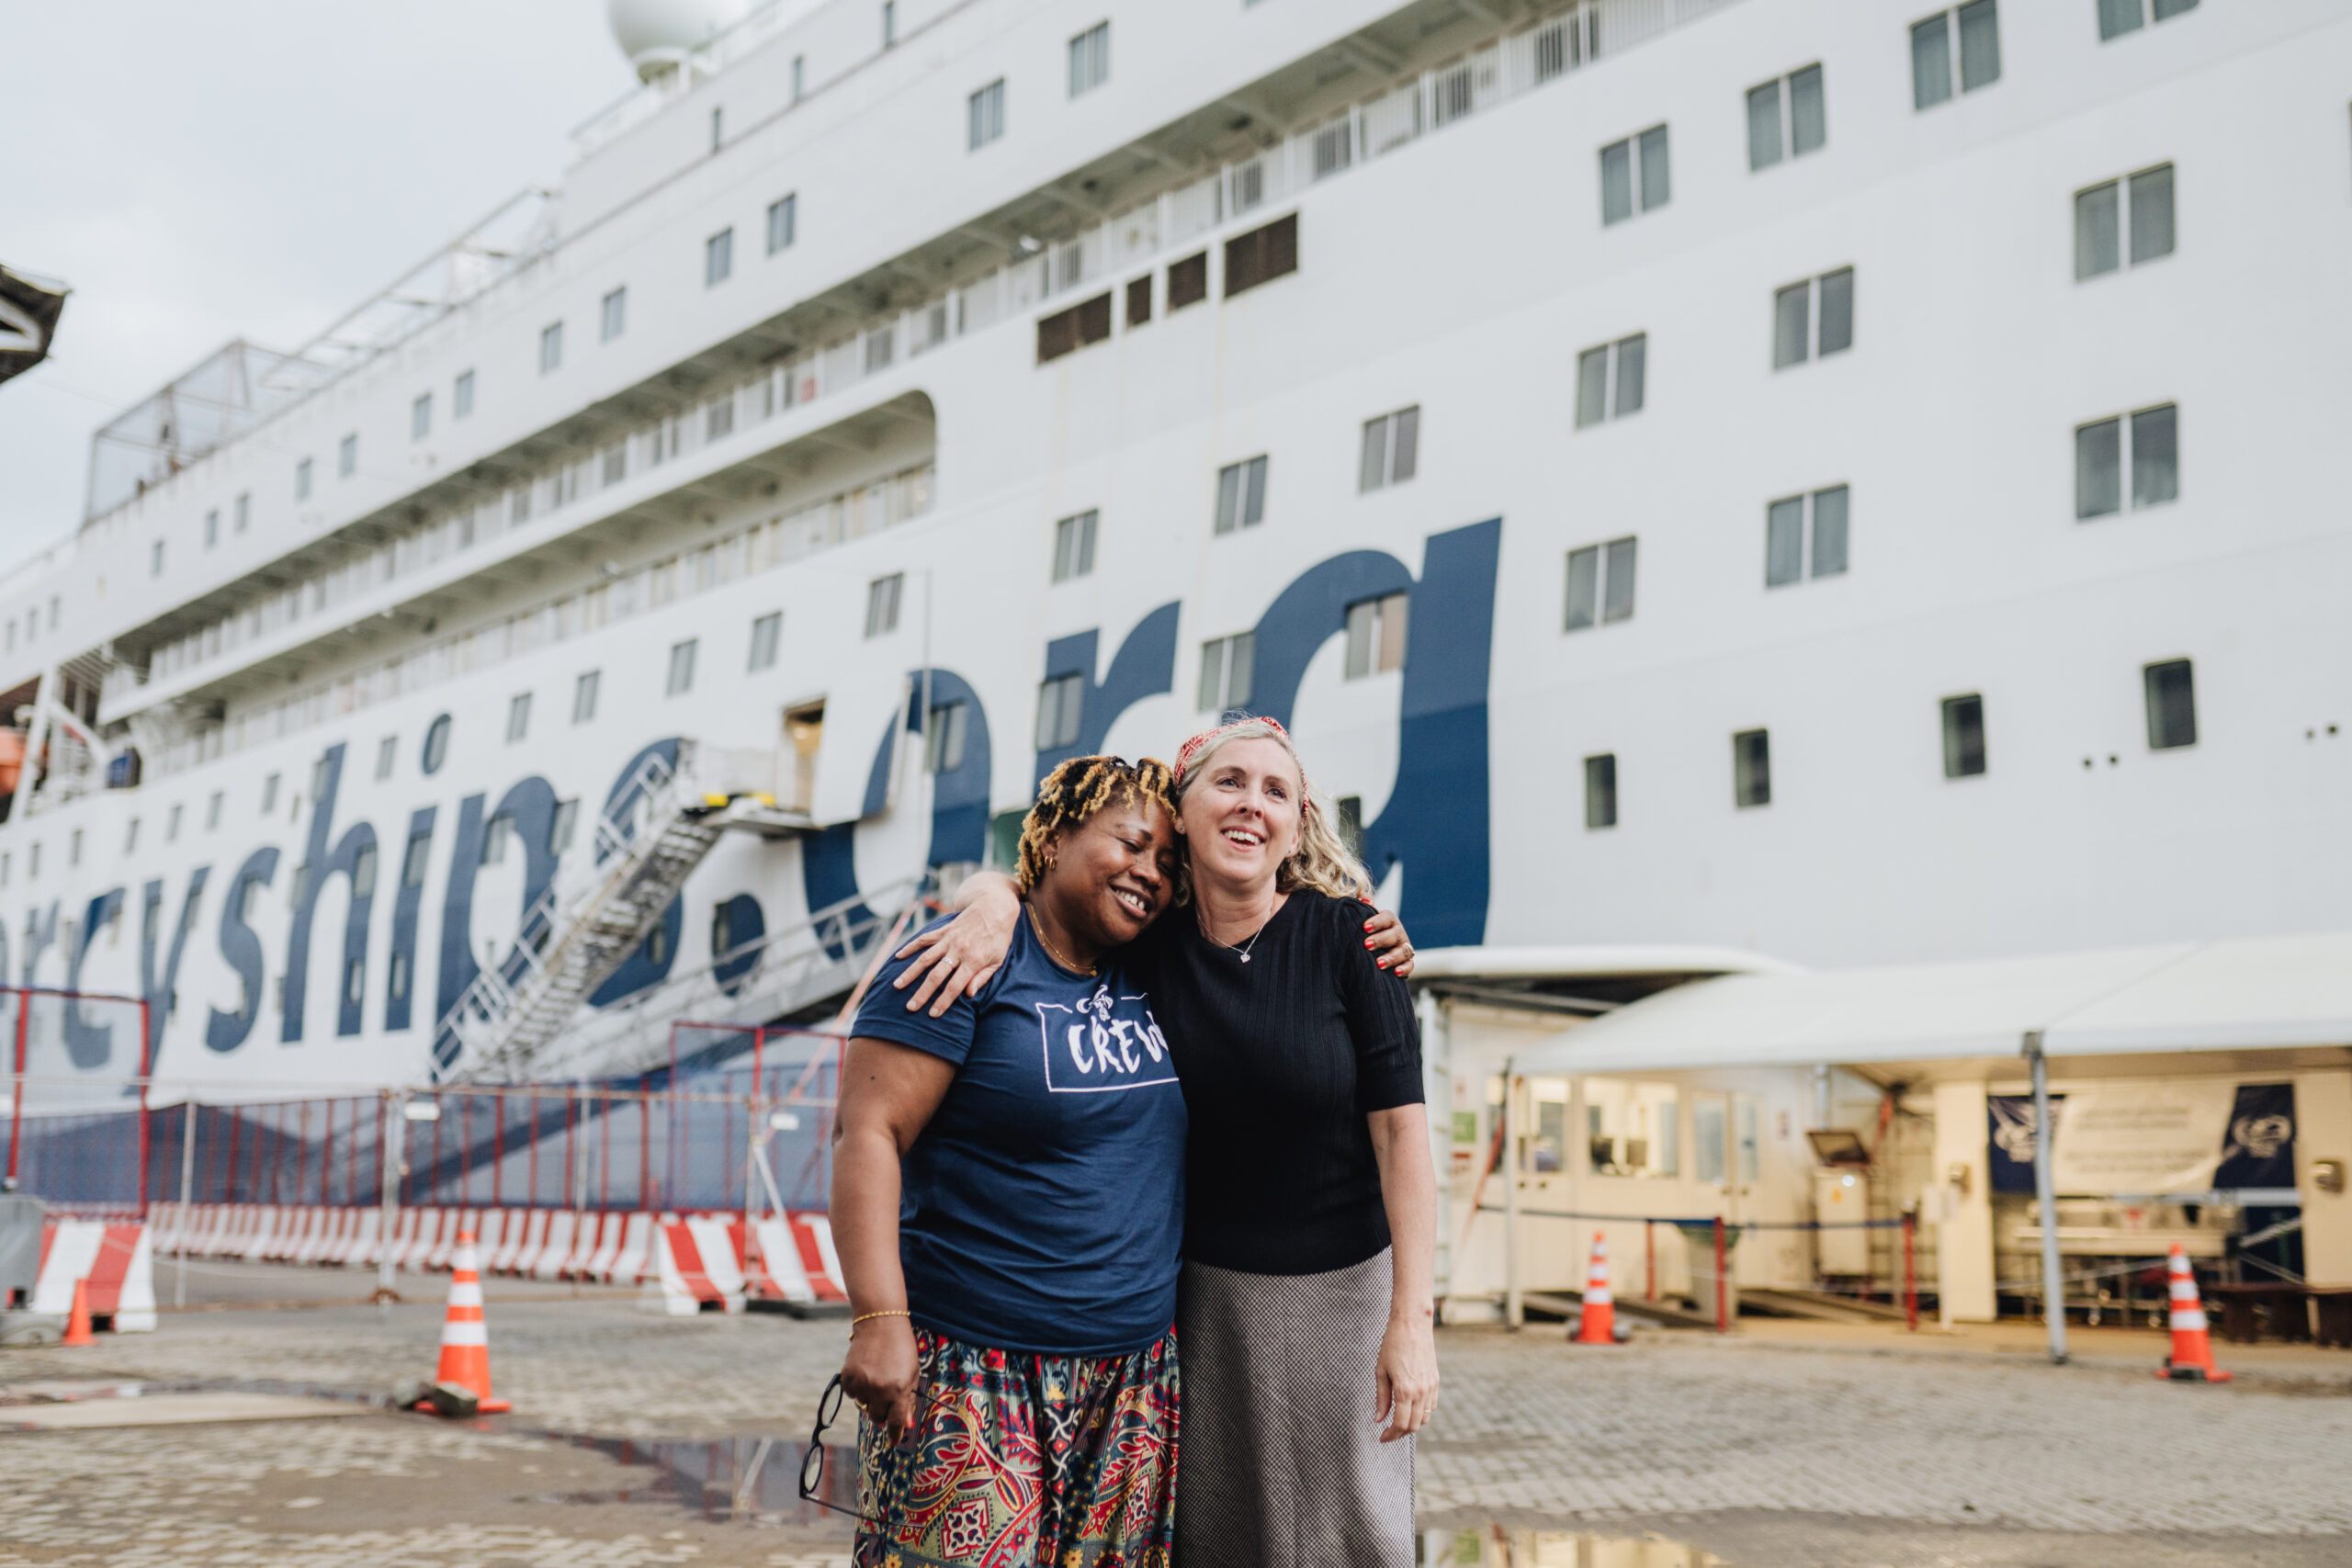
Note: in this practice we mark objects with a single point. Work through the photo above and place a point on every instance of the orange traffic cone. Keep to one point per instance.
(1599, 1323)
(2193, 1353)
(465, 1338)
(77, 1323)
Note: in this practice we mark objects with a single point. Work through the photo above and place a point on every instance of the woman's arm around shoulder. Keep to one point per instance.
(961, 957)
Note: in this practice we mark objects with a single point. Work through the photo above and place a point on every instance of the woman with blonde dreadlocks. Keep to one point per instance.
(1310, 1199)
(1008, 1203)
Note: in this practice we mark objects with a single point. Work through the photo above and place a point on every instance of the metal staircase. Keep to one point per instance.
(661, 824)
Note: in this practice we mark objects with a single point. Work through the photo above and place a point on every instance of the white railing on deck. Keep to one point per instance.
(1533, 56)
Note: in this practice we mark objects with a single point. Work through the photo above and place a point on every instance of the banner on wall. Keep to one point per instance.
(2149, 1138)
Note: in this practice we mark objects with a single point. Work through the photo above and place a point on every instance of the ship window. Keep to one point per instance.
(518, 717)
(420, 417)
(987, 115)
(243, 514)
(1825, 302)
(302, 480)
(1391, 449)
(155, 559)
(269, 794)
(398, 980)
(615, 314)
(550, 347)
(719, 417)
(1752, 768)
(1375, 636)
(1617, 368)
(1188, 281)
(562, 826)
(717, 258)
(1786, 559)
(387, 752)
(799, 77)
(2101, 223)
(1061, 703)
(130, 837)
(1600, 791)
(461, 397)
(1074, 547)
(212, 811)
(1066, 331)
(882, 596)
(436, 744)
(1978, 24)
(783, 219)
(1601, 584)
(363, 872)
(616, 463)
(1241, 495)
(494, 839)
(1090, 59)
(943, 738)
(2154, 459)
(2172, 705)
(1261, 255)
(413, 861)
(1139, 301)
(583, 697)
(172, 824)
(1634, 175)
(1787, 113)
(682, 669)
(2116, 18)
(767, 631)
(1963, 737)
(1227, 664)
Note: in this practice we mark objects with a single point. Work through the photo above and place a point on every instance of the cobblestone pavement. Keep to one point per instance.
(1809, 1458)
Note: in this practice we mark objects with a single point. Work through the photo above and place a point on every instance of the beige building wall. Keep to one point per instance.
(2324, 1131)
(1961, 1201)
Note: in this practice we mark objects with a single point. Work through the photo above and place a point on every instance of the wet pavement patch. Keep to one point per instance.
(724, 1478)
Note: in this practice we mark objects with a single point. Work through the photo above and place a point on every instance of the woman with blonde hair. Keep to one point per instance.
(1310, 1199)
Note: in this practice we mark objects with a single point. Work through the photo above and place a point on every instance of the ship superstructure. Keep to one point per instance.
(1689, 473)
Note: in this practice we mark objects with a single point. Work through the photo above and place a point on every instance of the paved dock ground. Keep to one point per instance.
(638, 1440)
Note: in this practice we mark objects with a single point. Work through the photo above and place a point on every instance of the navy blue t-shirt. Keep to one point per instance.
(1041, 1209)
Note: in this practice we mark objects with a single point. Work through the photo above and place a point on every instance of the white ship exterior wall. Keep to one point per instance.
(1461, 274)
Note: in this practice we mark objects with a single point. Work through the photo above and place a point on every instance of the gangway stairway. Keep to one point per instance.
(662, 822)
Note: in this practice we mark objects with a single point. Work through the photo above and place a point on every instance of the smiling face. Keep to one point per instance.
(1242, 813)
(1112, 874)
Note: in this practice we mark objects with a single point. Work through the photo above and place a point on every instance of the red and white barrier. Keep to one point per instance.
(117, 1261)
(634, 1260)
(555, 1249)
(693, 1265)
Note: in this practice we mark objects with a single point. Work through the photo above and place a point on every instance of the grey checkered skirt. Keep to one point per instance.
(1281, 1463)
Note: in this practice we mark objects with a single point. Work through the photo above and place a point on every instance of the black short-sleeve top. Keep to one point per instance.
(1282, 1058)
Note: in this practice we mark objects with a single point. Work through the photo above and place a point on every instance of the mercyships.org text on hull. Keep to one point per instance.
(612, 623)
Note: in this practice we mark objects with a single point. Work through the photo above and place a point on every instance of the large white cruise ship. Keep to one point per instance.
(1810, 478)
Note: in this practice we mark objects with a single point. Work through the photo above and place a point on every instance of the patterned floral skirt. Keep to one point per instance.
(1026, 1461)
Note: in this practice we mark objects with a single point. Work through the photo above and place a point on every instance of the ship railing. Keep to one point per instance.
(476, 1022)
(1532, 55)
(752, 982)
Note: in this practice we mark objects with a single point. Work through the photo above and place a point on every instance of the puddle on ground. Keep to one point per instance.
(723, 1478)
(1496, 1547)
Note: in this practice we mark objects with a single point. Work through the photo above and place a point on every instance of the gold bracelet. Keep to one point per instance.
(893, 1312)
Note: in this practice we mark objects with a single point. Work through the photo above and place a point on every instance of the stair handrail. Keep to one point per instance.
(489, 997)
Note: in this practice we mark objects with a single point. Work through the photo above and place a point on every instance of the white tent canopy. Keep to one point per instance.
(2258, 993)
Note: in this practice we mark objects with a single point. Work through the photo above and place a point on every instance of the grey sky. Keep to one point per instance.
(250, 168)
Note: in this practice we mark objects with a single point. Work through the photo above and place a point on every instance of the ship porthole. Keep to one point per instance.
(436, 744)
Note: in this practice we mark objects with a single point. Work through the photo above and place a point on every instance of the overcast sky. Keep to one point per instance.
(250, 168)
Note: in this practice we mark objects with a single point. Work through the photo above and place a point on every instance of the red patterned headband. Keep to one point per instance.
(1191, 750)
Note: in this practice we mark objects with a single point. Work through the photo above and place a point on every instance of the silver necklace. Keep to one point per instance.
(1241, 951)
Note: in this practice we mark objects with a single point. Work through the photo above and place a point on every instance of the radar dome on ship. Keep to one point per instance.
(657, 34)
